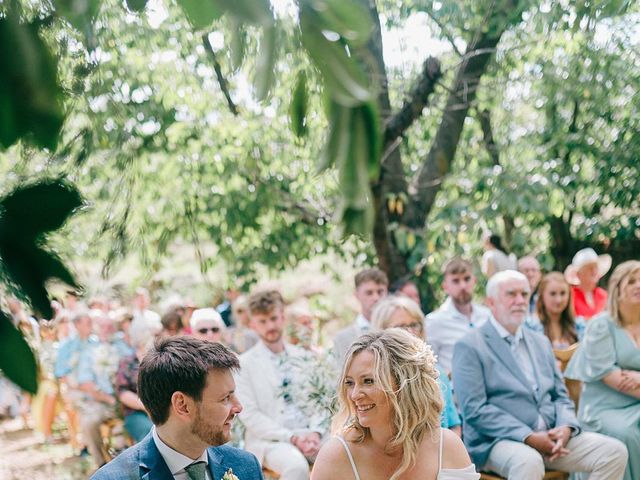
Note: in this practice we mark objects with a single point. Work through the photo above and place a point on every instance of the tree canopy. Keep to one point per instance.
(282, 132)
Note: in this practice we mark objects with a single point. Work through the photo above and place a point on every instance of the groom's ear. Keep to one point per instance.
(183, 406)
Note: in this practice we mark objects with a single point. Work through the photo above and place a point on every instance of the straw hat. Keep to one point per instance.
(585, 257)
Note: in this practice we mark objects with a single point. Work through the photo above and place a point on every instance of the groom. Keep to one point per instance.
(186, 386)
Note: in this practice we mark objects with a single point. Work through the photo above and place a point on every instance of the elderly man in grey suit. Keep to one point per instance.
(371, 285)
(518, 418)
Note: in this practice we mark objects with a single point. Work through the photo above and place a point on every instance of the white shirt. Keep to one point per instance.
(176, 461)
(363, 324)
(447, 325)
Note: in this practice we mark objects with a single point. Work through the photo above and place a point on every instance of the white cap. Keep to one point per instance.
(202, 314)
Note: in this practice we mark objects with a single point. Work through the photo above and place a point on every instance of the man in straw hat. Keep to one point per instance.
(586, 269)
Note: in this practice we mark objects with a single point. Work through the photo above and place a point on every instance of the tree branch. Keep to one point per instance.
(444, 32)
(487, 136)
(437, 163)
(413, 105)
(224, 86)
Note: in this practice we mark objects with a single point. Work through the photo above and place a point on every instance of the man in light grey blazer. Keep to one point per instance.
(517, 416)
(371, 285)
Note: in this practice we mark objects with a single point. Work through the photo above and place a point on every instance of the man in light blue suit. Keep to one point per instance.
(517, 416)
(187, 387)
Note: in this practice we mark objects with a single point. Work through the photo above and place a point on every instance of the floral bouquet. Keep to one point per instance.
(313, 389)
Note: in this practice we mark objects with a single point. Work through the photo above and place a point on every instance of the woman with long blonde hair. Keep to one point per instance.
(388, 423)
(608, 362)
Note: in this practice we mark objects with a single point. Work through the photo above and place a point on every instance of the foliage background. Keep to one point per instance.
(170, 174)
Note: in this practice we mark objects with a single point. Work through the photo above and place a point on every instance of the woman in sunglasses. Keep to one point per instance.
(207, 324)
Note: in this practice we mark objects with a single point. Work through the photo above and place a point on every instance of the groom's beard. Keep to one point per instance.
(210, 434)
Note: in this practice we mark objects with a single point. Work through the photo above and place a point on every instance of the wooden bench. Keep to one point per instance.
(549, 475)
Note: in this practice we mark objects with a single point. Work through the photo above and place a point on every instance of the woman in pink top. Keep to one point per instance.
(586, 269)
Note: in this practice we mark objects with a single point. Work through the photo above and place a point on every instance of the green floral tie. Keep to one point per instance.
(196, 471)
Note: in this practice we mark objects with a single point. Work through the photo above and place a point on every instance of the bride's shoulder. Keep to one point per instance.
(454, 453)
(332, 461)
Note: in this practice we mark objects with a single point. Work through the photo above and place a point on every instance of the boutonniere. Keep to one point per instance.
(229, 475)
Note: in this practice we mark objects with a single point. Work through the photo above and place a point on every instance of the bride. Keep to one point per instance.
(388, 424)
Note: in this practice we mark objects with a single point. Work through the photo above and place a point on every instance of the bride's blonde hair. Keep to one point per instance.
(405, 370)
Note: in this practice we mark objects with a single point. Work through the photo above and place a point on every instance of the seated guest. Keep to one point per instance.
(586, 269)
(402, 312)
(136, 420)
(207, 324)
(187, 387)
(277, 431)
(241, 336)
(371, 285)
(388, 423)
(495, 257)
(517, 417)
(608, 362)
(458, 314)
(407, 287)
(97, 368)
(300, 325)
(67, 367)
(172, 323)
(554, 312)
(530, 267)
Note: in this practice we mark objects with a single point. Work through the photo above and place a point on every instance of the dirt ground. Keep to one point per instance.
(23, 454)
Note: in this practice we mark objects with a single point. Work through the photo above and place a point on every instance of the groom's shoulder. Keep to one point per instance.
(232, 455)
(124, 466)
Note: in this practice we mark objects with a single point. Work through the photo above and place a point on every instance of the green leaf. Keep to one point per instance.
(266, 63)
(37, 209)
(237, 44)
(343, 77)
(257, 12)
(30, 267)
(298, 108)
(17, 361)
(30, 96)
(27, 214)
(79, 13)
(349, 19)
(136, 5)
(201, 13)
(339, 139)
(354, 221)
(354, 174)
(372, 131)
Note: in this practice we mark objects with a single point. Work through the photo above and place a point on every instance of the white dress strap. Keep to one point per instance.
(353, 464)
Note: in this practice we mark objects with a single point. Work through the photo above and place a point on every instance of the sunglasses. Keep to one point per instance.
(203, 331)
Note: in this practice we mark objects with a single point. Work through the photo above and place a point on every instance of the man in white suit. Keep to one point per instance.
(371, 285)
(277, 431)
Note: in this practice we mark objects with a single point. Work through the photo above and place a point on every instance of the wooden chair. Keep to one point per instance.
(114, 438)
(573, 386)
(269, 474)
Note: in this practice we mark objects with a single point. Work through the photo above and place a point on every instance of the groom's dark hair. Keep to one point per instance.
(179, 364)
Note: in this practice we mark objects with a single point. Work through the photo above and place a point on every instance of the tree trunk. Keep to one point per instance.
(424, 187)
